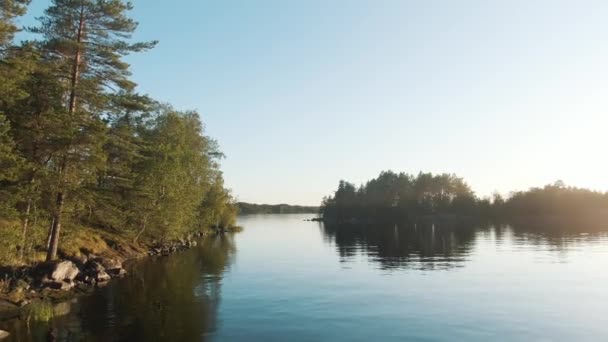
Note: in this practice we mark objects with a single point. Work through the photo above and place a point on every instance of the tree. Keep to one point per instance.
(9, 165)
(392, 196)
(34, 106)
(116, 190)
(9, 9)
(87, 39)
(174, 174)
(218, 208)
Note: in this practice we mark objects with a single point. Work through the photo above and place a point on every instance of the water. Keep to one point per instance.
(284, 279)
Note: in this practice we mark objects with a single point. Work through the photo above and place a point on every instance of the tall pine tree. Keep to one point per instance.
(88, 39)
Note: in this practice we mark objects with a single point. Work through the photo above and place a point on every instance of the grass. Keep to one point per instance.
(75, 242)
(83, 239)
(9, 239)
(40, 311)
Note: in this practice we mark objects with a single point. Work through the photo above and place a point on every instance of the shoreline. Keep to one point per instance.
(64, 279)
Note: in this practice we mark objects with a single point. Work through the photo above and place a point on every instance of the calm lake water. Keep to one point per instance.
(284, 279)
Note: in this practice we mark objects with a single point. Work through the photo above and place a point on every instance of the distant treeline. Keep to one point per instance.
(392, 197)
(81, 151)
(249, 208)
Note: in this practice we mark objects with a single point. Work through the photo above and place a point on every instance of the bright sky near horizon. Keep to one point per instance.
(300, 94)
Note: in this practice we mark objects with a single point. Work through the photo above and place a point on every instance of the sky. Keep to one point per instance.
(303, 93)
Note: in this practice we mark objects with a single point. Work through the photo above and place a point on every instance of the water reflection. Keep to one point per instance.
(558, 236)
(446, 246)
(172, 298)
(421, 246)
(468, 282)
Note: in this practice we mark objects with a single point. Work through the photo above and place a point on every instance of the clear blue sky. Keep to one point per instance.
(507, 94)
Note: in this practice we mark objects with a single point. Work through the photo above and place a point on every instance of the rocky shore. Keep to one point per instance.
(63, 279)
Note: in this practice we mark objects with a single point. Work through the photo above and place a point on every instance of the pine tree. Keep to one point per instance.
(9, 160)
(88, 39)
(34, 107)
(116, 191)
(9, 9)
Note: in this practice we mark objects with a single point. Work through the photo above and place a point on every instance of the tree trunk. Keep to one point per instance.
(48, 236)
(56, 226)
(55, 229)
(143, 228)
(26, 221)
(76, 65)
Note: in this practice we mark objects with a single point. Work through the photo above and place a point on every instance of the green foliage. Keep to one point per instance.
(174, 174)
(85, 41)
(10, 166)
(40, 311)
(91, 37)
(9, 160)
(556, 200)
(79, 148)
(9, 9)
(393, 196)
(218, 208)
(249, 208)
(9, 240)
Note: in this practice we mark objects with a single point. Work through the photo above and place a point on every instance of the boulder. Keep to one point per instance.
(87, 280)
(61, 285)
(117, 272)
(64, 270)
(20, 285)
(84, 287)
(8, 310)
(95, 272)
(102, 277)
(16, 296)
(93, 267)
(79, 259)
(110, 264)
(4, 334)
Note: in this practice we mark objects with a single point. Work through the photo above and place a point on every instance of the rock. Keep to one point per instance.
(46, 280)
(8, 310)
(16, 296)
(102, 277)
(61, 285)
(4, 334)
(95, 272)
(117, 272)
(111, 264)
(83, 287)
(93, 267)
(21, 285)
(65, 270)
(80, 259)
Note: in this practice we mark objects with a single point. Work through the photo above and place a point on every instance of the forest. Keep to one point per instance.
(391, 197)
(82, 153)
(249, 208)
